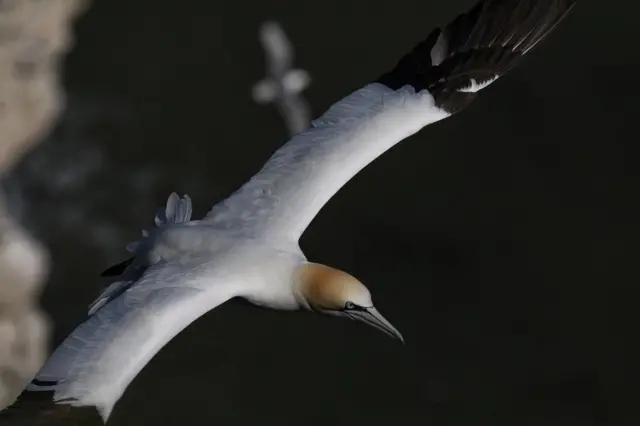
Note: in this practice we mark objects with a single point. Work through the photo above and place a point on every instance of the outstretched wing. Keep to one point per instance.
(438, 78)
(96, 362)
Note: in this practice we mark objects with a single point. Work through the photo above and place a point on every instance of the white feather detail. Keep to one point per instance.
(94, 365)
(294, 184)
(177, 210)
(474, 86)
(439, 50)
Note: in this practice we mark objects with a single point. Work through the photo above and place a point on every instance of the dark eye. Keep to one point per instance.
(349, 306)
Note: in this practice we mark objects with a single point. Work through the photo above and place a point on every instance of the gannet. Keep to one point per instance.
(247, 245)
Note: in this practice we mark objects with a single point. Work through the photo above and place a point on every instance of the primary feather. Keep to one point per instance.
(438, 78)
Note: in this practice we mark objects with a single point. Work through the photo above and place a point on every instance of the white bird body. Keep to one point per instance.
(183, 283)
(247, 245)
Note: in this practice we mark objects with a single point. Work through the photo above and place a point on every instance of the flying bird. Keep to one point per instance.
(247, 245)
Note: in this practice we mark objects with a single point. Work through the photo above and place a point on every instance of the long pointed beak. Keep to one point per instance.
(372, 317)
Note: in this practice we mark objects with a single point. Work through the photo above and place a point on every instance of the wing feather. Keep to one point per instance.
(96, 362)
(304, 174)
(439, 77)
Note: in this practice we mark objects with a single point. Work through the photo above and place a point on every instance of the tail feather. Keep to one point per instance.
(476, 48)
(177, 210)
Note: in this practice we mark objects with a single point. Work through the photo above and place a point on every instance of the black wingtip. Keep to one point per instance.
(476, 48)
(36, 408)
(118, 269)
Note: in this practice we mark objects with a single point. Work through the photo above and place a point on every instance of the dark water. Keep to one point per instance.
(500, 242)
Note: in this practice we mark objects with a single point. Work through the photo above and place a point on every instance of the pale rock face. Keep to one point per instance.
(33, 36)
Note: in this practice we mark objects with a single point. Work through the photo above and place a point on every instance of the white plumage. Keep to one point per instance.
(281, 200)
(177, 210)
(247, 245)
(198, 267)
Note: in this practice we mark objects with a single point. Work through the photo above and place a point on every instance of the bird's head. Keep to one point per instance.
(333, 292)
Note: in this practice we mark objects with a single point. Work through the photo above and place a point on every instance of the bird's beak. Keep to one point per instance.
(372, 317)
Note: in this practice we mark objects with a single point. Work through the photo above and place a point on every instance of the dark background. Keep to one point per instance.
(501, 242)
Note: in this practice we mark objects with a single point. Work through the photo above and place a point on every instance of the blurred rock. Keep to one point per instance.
(34, 34)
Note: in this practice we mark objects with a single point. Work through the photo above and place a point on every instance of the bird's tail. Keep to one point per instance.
(177, 210)
(476, 48)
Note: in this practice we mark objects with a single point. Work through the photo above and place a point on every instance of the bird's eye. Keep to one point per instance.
(349, 306)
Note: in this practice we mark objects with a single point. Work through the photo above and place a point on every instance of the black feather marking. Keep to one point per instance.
(44, 383)
(117, 269)
(479, 46)
(36, 408)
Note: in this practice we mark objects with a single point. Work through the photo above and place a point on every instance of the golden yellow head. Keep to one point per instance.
(326, 288)
(333, 292)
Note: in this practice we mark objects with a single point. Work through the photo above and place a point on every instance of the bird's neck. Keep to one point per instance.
(316, 285)
(300, 295)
